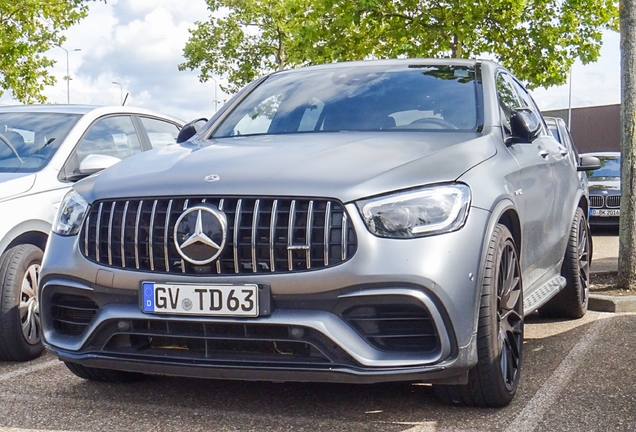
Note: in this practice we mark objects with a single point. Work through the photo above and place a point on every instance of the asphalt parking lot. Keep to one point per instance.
(577, 376)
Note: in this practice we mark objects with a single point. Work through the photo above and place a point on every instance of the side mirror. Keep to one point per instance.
(96, 162)
(190, 129)
(588, 163)
(525, 126)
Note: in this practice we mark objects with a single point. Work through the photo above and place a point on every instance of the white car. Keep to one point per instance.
(44, 150)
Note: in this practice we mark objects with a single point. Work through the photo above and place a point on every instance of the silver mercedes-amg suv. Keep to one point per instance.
(354, 222)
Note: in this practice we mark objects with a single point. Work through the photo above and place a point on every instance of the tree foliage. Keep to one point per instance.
(537, 39)
(29, 28)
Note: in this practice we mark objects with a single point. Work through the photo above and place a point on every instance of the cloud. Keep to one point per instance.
(138, 43)
(592, 84)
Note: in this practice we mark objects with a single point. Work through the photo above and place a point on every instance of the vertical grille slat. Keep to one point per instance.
(310, 224)
(290, 236)
(218, 262)
(123, 235)
(137, 219)
(345, 232)
(327, 233)
(87, 225)
(255, 234)
(151, 232)
(272, 236)
(98, 227)
(264, 235)
(166, 228)
(110, 233)
(237, 227)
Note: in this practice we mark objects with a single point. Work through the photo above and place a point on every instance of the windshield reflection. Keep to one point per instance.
(28, 141)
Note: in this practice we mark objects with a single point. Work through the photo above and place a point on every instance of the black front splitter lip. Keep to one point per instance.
(338, 374)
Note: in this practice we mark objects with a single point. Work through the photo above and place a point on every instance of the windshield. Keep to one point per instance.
(361, 98)
(28, 141)
(610, 169)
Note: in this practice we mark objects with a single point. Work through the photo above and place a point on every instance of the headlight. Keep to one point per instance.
(417, 213)
(70, 214)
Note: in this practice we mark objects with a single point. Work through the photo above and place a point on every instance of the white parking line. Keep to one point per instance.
(543, 400)
(28, 369)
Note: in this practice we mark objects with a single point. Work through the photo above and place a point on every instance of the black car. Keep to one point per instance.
(605, 189)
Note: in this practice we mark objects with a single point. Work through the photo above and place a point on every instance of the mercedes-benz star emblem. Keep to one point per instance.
(200, 233)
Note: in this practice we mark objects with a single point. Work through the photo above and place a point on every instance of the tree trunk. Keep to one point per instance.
(627, 230)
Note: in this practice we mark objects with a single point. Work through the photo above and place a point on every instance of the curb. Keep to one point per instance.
(606, 303)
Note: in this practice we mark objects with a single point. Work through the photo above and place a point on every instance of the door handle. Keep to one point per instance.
(564, 153)
(544, 154)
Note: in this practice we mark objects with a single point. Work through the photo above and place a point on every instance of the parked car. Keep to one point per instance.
(605, 189)
(561, 133)
(354, 222)
(44, 150)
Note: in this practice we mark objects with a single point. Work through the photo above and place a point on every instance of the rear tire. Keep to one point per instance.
(103, 375)
(571, 301)
(493, 381)
(20, 328)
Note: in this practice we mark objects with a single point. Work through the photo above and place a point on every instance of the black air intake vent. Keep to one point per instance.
(72, 314)
(395, 327)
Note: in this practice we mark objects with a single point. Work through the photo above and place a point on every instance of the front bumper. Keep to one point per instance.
(307, 334)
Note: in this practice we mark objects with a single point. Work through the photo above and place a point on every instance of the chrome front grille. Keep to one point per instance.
(265, 235)
(596, 201)
(613, 201)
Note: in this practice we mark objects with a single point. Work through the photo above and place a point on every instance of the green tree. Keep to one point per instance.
(537, 39)
(29, 28)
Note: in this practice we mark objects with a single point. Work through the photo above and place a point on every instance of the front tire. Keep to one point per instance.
(493, 381)
(571, 301)
(20, 328)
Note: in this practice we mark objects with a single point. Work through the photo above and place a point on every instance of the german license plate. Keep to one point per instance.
(605, 213)
(200, 300)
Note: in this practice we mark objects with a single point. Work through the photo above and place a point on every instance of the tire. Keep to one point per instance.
(20, 328)
(104, 375)
(493, 381)
(571, 301)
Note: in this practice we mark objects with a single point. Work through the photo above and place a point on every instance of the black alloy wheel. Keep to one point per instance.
(571, 302)
(493, 381)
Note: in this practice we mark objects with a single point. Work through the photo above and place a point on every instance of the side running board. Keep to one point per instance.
(544, 293)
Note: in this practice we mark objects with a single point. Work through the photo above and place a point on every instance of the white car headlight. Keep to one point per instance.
(417, 213)
(70, 215)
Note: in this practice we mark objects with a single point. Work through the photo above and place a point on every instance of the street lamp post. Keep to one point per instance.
(570, 102)
(121, 92)
(216, 100)
(67, 77)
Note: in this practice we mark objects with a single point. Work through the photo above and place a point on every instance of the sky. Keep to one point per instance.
(139, 44)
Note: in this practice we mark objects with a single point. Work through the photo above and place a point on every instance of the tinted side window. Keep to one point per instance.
(507, 99)
(160, 133)
(111, 136)
(526, 100)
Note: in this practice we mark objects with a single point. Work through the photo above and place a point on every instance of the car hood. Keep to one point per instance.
(607, 185)
(345, 165)
(12, 184)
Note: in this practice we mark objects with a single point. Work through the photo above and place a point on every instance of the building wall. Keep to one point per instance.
(593, 129)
